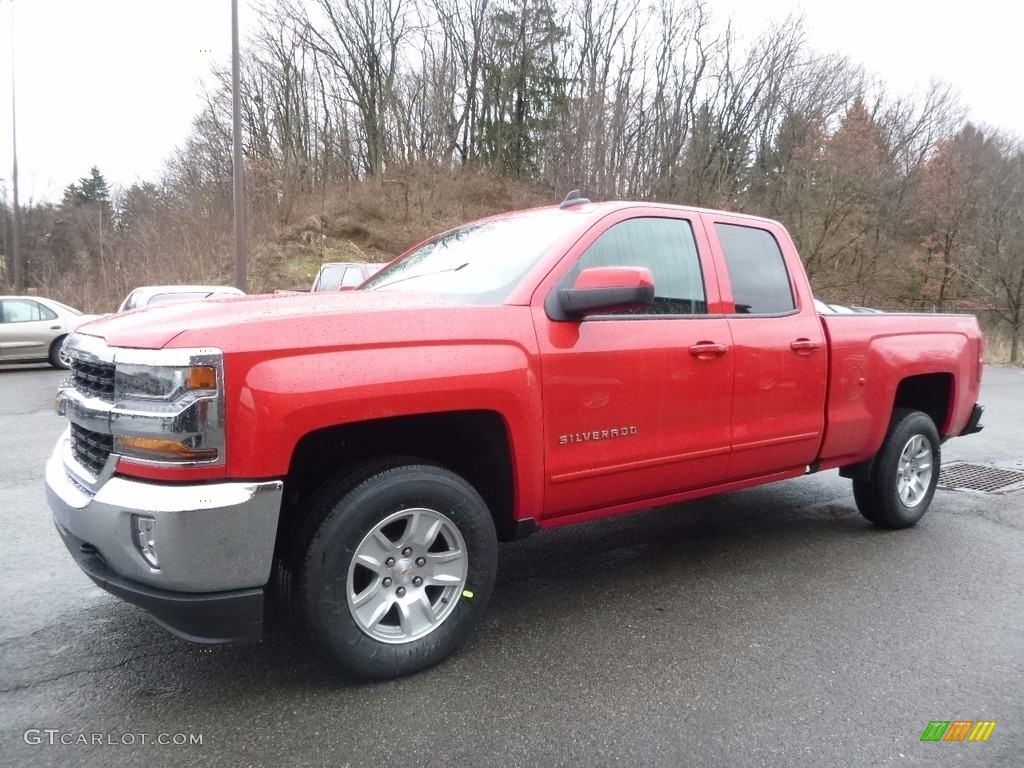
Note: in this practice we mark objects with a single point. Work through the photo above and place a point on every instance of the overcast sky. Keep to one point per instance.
(115, 83)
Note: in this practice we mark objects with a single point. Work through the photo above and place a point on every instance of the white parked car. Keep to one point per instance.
(344, 275)
(33, 329)
(152, 295)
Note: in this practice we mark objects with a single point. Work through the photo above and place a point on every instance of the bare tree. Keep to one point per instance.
(363, 41)
(997, 268)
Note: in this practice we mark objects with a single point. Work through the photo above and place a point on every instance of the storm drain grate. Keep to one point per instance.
(976, 477)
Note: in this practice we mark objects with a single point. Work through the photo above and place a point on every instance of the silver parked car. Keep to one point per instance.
(33, 329)
(151, 295)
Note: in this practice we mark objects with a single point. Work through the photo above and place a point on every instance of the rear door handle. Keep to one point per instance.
(805, 346)
(708, 350)
(54, 327)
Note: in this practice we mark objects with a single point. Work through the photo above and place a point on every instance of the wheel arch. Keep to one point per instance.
(930, 393)
(473, 444)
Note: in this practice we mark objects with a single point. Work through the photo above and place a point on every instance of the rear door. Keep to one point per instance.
(779, 348)
(637, 404)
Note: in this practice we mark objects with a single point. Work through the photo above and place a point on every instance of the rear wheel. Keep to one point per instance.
(395, 569)
(904, 474)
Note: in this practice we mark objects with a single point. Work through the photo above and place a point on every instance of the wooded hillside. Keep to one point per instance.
(370, 124)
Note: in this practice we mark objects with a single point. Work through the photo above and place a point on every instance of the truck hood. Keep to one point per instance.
(226, 323)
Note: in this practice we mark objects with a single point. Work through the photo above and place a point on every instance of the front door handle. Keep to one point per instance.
(805, 346)
(708, 350)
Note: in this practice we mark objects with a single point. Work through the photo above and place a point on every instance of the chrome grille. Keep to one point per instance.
(95, 379)
(91, 448)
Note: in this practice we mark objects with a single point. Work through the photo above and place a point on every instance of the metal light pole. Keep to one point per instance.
(4, 238)
(18, 282)
(236, 119)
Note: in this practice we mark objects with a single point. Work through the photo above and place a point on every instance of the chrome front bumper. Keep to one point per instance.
(209, 538)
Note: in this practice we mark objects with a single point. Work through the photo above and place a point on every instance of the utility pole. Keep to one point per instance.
(236, 119)
(4, 242)
(17, 284)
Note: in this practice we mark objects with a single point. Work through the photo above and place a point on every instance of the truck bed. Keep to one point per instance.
(872, 357)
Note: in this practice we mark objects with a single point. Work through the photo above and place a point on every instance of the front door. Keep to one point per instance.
(637, 404)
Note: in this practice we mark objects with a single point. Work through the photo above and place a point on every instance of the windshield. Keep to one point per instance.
(478, 264)
(174, 298)
(66, 308)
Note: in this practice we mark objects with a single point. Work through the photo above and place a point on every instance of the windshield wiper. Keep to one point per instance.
(422, 274)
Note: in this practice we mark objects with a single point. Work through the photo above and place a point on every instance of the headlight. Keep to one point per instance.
(145, 382)
(169, 406)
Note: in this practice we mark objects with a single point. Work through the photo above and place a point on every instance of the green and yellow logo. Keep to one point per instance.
(958, 730)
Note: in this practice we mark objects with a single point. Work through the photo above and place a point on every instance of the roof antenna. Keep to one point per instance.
(573, 198)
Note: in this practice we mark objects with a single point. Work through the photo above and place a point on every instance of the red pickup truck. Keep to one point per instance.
(361, 455)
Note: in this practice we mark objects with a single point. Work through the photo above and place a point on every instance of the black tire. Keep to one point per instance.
(424, 622)
(865, 501)
(56, 360)
(904, 473)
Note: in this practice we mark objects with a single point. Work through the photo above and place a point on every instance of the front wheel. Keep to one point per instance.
(58, 357)
(905, 472)
(398, 571)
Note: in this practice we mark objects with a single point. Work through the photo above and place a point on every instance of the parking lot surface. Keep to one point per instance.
(770, 627)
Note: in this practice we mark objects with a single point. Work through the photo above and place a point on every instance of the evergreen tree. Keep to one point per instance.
(94, 188)
(83, 221)
(522, 85)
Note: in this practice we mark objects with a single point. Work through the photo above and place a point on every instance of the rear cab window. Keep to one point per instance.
(757, 270)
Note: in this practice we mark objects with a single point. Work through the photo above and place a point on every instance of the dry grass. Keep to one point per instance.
(377, 220)
(387, 216)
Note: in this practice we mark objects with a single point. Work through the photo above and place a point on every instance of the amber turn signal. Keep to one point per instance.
(158, 448)
(202, 377)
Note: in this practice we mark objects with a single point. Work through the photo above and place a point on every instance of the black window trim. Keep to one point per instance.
(652, 317)
(769, 315)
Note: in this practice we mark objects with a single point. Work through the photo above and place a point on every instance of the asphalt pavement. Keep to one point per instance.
(769, 627)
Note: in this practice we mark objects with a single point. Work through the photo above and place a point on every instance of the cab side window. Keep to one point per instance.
(757, 270)
(667, 248)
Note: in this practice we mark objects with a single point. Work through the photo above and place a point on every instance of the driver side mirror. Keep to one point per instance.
(600, 290)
